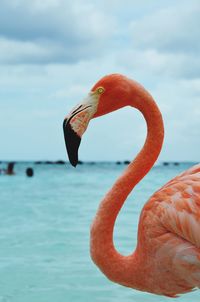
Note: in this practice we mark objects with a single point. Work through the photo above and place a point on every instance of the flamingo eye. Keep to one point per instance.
(100, 90)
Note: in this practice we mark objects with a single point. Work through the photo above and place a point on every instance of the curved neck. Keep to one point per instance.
(115, 266)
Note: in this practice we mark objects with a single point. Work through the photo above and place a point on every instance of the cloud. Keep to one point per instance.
(53, 52)
(53, 31)
(167, 39)
(172, 29)
(156, 63)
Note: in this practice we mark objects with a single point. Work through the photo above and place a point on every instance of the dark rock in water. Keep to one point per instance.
(176, 164)
(92, 163)
(165, 163)
(38, 162)
(48, 162)
(126, 162)
(80, 162)
(60, 162)
(118, 162)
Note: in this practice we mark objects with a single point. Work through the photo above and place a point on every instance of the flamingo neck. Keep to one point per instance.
(114, 265)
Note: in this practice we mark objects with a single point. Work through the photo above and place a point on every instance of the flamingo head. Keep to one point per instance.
(107, 95)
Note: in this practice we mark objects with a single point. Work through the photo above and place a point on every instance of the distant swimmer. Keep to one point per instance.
(10, 169)
(29, 172)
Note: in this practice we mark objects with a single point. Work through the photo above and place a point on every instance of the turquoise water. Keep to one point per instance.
(44, 232)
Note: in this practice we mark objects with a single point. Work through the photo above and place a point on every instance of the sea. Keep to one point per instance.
(44, 231)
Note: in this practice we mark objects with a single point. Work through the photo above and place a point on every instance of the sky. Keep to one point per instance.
(53, 51)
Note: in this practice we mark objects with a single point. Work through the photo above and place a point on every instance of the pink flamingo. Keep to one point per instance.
(166, 260)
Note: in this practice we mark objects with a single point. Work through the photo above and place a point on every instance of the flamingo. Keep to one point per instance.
(166, 260)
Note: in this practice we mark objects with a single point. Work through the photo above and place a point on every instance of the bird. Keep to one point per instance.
(166, 259)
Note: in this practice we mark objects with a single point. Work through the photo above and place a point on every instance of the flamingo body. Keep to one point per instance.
(166, 260)
(169, 237)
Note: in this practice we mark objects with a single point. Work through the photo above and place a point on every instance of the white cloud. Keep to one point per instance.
(171, 29)
(55, 31)
(157, 63)
(167, 40)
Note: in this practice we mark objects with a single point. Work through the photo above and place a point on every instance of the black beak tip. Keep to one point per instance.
(73, 164)
(72, 142)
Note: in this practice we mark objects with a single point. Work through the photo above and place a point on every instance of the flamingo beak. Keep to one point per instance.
(75, 124)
